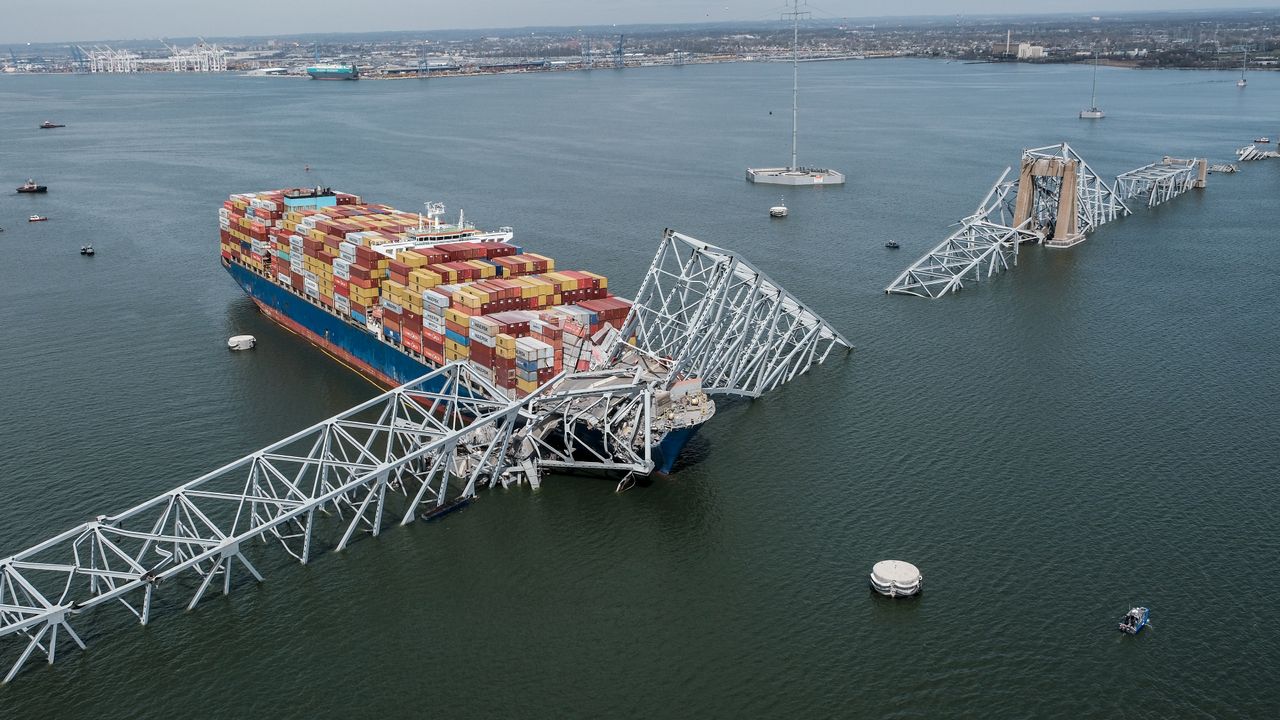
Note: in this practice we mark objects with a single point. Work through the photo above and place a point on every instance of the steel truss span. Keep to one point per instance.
(1056, 199)
(714, 316)
(1095, 202)
(1159, 182)
(417, 448)
(985, 244)
(422, 449)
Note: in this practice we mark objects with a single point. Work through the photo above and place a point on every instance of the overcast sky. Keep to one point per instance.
(81, 20)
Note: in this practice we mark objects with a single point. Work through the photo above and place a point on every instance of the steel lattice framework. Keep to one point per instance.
(1096, 202)
(1159, 182)
(416, 448)
(424, 448)
(1051, 181)
(713, 315)
(985, 244)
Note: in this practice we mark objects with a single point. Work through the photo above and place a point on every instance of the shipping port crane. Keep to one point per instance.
(705, 323)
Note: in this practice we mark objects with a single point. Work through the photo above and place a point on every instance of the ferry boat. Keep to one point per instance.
(334, 72)
(336, 272)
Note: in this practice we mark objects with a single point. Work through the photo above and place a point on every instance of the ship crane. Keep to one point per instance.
(705, 323)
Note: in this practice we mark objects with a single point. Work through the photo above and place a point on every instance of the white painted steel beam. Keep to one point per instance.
(984, 245)
(987, 241)
(416, 448)
(710, 314)
(1158, 182)
(424, 447)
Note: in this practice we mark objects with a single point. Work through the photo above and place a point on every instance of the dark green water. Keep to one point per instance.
(1093, 430)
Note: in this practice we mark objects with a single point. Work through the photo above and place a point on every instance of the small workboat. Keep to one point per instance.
(86, 250)
(779, 210)
(1262, 140)
(37, 218)
(1134, 620)
(49, 125)
(892, 244)
(30, 186)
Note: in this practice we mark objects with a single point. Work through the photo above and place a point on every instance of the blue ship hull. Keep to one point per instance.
(384, 363)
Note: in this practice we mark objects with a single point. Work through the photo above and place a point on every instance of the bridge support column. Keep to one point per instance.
(1066, 232)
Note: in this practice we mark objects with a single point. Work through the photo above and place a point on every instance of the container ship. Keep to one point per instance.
(334, 72)
(394, 295)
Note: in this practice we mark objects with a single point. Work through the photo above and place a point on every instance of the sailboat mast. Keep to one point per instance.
(1093, 102)
(795, 78)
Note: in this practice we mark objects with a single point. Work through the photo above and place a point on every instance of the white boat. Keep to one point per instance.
(1262, 140)
(779, 210)
(1093, 113)
(794, 174)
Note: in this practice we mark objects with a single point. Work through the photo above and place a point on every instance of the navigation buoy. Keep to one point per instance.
(242, 342)
(896, 578)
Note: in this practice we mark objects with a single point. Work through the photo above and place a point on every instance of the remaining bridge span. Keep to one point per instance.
(1161, 182)
(1057, 199)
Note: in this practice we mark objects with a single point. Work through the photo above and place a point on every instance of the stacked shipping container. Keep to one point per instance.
(512, 314)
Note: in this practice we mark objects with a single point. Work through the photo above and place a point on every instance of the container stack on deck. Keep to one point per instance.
(511, 313)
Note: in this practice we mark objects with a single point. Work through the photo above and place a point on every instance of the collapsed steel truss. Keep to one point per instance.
(1052, 180)
(413, 449)
(1096, 202)
(716, 317)
(423, 448)
(1158, 182)
(985, 244)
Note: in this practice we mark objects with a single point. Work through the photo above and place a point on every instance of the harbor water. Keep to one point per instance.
(1092, 431)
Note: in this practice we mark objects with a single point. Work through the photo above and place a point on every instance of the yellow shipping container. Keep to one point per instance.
(551, 262)
(412, 259)
(456, 317)
(487, 270)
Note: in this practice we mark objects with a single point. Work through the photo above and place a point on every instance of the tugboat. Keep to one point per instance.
(1134, 620)
(86, 250)
(30, 186)
(49, 125)
(37, 218)
(779, 210)
(892, 245)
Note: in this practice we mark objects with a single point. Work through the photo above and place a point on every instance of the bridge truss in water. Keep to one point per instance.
(1057, 199)
(422, 449)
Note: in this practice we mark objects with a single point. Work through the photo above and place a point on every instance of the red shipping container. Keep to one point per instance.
(432, 337)
(412, 340)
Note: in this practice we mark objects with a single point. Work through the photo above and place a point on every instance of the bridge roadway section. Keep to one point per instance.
(705, 322)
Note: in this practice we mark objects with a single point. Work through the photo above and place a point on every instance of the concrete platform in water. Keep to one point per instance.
(795, 176)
